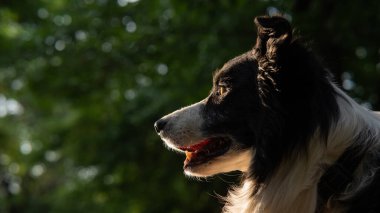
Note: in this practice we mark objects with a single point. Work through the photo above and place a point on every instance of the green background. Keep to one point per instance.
(82, 82)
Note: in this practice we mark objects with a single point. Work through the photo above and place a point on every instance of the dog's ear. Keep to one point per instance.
(273, 35)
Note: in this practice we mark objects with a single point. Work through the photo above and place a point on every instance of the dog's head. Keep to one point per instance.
(243, 122)
(217, 132)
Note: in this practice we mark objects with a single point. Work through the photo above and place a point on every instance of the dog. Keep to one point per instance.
(274, 113)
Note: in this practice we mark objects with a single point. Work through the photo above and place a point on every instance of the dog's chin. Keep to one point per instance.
(233, 160)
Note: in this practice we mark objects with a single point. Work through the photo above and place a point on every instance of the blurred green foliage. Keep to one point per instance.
(81, 83)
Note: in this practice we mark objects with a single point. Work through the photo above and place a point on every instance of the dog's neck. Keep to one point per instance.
(294, 185)
(292, 188)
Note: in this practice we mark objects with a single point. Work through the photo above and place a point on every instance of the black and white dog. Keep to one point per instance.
(274, 114)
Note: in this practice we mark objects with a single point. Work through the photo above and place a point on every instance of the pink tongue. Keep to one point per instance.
(196, 147)
(189, 155)
(191, 151)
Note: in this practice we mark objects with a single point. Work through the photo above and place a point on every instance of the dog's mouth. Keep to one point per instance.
(205, 150)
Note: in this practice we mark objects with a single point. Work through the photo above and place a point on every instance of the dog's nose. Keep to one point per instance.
(159, 125)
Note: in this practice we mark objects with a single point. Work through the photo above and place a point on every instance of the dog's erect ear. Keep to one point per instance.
(273, 34)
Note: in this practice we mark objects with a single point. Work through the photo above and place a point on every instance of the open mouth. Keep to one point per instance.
(205, 150)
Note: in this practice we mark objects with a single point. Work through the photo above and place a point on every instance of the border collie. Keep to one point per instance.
(275, 114)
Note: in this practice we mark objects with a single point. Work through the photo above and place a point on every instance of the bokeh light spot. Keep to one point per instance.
(37, 170)
(162, 69)
(131, 27)
(26, 147)
(42, 13)
(361, 52)
(60, 45)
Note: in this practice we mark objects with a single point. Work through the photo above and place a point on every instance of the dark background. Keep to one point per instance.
(82, 81)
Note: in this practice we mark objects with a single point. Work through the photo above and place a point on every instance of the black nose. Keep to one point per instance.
(159, 125)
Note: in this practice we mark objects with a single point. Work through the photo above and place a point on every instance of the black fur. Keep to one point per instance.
(367, 200)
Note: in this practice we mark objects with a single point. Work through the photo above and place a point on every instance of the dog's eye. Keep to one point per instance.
(222, 90)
